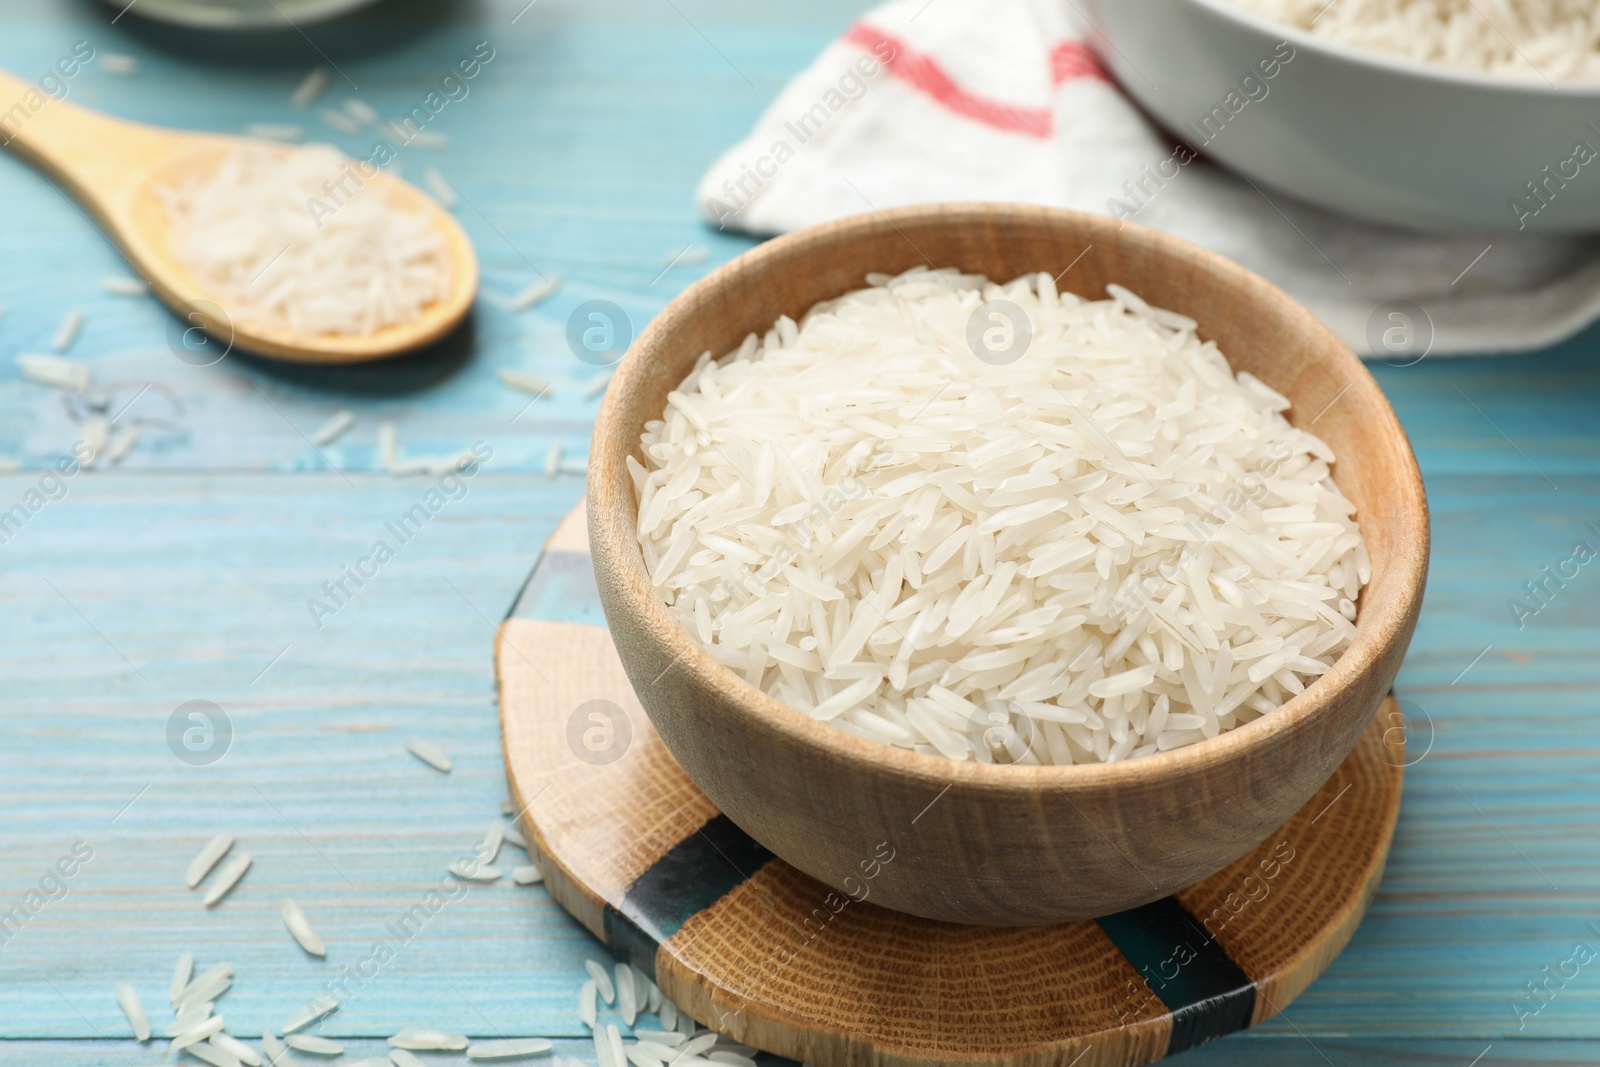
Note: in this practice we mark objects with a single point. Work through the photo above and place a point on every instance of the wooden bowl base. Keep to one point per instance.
(752, 948)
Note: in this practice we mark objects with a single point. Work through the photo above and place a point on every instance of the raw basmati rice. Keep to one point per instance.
(535, 293)
(201, 866)
(205, 987)
(429, 1040)
(1538, 39)
(58, 371)
(182, 972)
(361, 111)
(440, 187)
(318, 1006)
(473, 871)
(277, 1055)
(120, 285)
(121, 65)
(527, 874)
(513, 835)
(394, 463)
(1068, 557)
(627, 996)
(68, 331)
(291, 238)
(511, 1048)
(492, 840)
(96, 434)
(236, 1048)
(287, 132)
(310, 87)
(190, 1016)
(300, 928)
(669, 1038)
(121, 444)
(429, 753)
(312, 1043)
(128, 1001)
(340, 121)
(552, 460)
(524, 382)
(401, 1058)
(588, 1010)
(213, 1054)
(227, 878)
(336, 427)
(196, 1034)
(602, 981)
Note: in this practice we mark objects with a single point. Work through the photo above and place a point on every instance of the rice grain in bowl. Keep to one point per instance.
(1040, 529)
(976, 842)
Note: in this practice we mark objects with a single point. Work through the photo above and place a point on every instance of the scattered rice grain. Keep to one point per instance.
(535, 293)
(58, 371)
(122, 285)
(201, 865)
(128, 1000)
(310, 87)
(227, 878)
(314, 1044)
(337, 426)
(523, 381)
(429, 1040)
(602, 981)
(429, 753)
(300, 927)
(511, 1048)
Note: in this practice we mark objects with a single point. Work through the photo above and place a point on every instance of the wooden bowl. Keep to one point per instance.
(996, 844)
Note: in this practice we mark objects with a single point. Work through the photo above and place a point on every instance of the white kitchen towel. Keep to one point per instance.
(927, 100)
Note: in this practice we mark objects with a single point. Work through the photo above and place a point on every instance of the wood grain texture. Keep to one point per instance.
(777, 960)
(579, 151)
(1038, 844)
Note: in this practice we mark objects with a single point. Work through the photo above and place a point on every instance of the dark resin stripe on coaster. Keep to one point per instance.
(693, 875)
(1208, 994)
(561, 589)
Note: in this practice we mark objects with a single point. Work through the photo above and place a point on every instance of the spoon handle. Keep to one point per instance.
(91, 154)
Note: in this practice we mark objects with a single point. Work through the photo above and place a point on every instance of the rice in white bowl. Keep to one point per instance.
(1537, 39)
(1098, 545)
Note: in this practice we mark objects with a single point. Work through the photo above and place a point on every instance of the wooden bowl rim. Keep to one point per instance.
(612, 522)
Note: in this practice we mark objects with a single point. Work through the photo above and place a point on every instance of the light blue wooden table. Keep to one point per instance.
(183, 574)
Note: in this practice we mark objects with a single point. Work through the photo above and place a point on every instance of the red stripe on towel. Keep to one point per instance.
(923, 73)
(1071, 60)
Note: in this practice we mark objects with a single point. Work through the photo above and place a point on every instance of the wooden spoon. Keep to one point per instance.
(114, 168)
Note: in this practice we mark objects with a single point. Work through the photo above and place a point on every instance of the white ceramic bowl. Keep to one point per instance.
(1386, 139)
(240, 14)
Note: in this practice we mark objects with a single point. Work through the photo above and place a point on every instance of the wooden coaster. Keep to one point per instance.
(756, 950)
